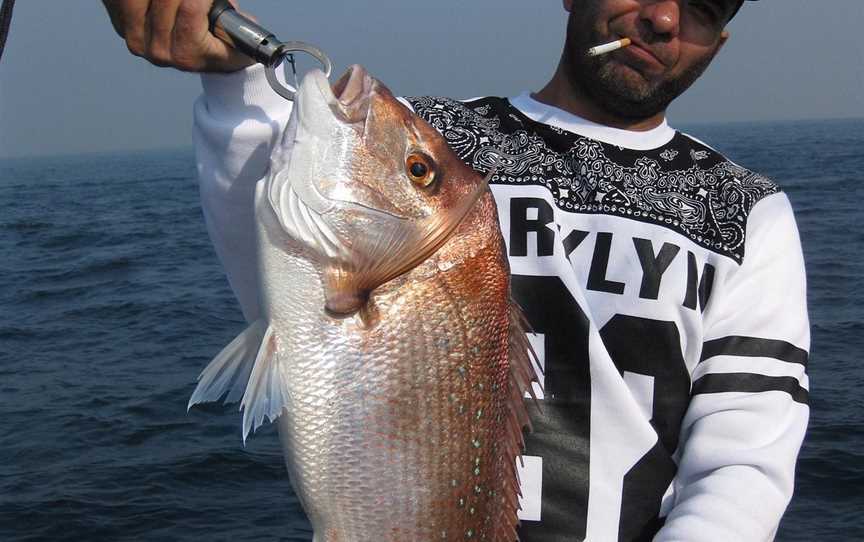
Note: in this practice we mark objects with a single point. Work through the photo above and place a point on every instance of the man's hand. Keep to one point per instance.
(173, 33)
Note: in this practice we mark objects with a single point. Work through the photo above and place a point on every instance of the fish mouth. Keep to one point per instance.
(327, 128)
(349, 98)
(341, 112)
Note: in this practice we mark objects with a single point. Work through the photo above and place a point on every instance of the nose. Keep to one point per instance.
(663, 16)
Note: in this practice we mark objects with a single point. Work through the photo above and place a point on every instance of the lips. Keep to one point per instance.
(645, 52)
(646, 56)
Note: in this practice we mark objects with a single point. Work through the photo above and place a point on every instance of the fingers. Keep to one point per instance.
(194, 47)
(129, 18)
(114, 15)
(161, 17)
(173, 33)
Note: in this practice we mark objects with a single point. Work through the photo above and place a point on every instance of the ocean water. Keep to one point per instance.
(112, 301)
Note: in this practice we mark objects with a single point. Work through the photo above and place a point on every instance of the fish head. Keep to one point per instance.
(368, 186)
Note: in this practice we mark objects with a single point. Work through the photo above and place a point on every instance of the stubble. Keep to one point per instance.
(617, 89)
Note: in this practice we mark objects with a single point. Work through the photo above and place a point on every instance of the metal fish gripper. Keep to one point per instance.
(261, 45)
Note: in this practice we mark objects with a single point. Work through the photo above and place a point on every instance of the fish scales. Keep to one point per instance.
(389, 353)
(401, 433)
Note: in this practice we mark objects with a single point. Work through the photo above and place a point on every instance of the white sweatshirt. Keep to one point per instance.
(666, 289)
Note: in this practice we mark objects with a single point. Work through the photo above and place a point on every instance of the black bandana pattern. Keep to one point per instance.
(683, 185)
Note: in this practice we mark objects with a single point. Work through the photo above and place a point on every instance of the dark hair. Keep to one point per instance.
(740, 3)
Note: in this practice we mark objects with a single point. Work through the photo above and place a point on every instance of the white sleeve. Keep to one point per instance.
(749, 409)
(237, 120)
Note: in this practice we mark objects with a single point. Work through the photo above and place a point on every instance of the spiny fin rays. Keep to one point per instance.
(522, 377)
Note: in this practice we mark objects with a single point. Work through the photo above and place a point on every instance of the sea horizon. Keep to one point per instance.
(683, 126)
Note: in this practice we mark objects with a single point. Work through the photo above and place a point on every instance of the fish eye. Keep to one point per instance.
(420, 169)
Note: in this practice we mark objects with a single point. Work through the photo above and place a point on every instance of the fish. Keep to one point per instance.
(389, 353)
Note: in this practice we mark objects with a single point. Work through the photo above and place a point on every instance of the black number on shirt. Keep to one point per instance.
(643, 350)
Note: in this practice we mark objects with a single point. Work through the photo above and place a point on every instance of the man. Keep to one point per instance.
(665, 283)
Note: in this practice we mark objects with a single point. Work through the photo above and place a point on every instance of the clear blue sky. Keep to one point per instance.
(67, 83)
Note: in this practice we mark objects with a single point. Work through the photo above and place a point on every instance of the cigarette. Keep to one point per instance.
(609, 47)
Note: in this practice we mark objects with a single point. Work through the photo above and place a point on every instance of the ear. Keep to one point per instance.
(724, 37)
(568, 5)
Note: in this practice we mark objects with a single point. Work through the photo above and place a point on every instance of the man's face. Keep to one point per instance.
(673, 43)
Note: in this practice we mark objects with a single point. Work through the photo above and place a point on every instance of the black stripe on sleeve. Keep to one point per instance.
(750, 383)
(754, 347)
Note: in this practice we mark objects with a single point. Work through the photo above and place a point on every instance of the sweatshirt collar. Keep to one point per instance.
(553, 116)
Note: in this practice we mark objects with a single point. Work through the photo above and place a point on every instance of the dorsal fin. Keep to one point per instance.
(522, 376)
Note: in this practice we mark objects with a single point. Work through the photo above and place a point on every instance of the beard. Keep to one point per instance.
(626, 95)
